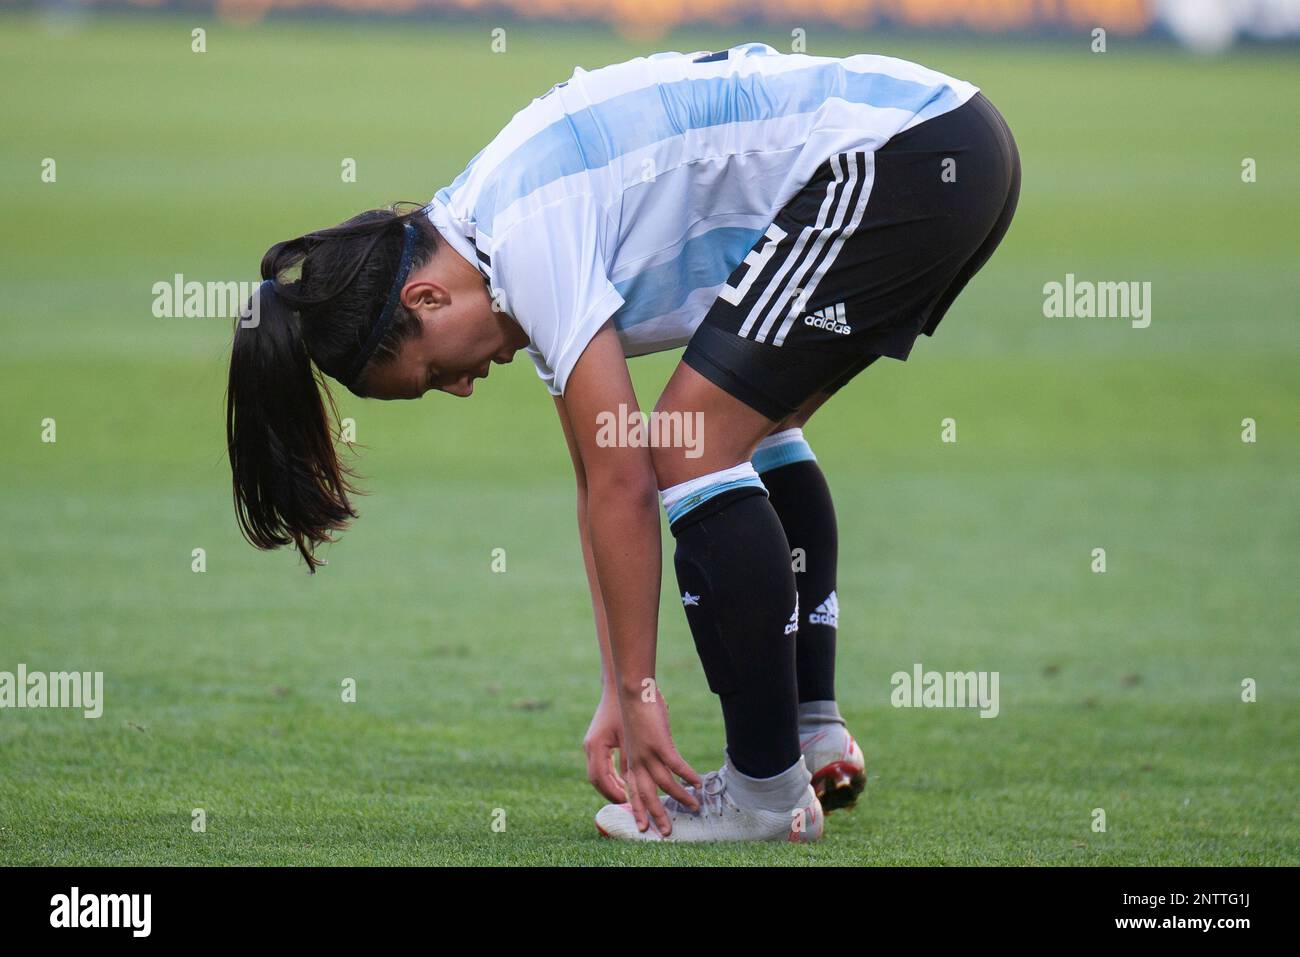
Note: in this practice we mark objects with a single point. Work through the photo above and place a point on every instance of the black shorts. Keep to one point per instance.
(865, 258)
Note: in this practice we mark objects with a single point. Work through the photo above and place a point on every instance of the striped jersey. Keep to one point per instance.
(633, 191)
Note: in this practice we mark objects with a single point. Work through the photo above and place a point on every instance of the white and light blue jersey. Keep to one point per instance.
(633, 191)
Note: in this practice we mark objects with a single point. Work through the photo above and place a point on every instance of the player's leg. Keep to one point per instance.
(799, 494)
(801, 497)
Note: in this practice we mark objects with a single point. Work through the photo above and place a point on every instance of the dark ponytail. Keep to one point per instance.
(313, 314)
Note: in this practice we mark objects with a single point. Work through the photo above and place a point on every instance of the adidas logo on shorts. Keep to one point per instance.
(831, 319)
(827, 613)
(792, 625)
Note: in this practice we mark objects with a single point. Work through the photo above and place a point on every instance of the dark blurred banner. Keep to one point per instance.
(1204, 24)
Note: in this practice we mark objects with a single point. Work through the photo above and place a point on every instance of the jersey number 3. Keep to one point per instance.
(754, 262)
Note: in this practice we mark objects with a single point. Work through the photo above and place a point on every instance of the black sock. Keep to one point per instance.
(802, 501)
(733, 566)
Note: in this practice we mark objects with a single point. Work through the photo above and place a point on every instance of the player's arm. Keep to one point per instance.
(593, 583)
(605, 733)
(623, 528)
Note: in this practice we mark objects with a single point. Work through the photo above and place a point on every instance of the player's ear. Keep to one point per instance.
(423, 296)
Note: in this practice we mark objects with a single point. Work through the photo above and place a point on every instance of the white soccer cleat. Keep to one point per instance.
(839, 772)
(718, 819)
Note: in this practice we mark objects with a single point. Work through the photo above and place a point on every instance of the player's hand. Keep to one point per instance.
(605, 736)
(653, 764)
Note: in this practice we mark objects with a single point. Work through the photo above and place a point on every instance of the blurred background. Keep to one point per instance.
(167, 142)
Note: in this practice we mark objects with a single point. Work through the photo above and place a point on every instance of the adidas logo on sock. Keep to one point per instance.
(827, 613)
(793, 624)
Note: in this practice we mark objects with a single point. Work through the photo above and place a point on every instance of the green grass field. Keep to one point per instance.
(1119, 691)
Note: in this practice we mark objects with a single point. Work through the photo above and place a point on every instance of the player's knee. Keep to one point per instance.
(691, 441)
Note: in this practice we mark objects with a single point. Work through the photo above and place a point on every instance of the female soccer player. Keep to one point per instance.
(789, 219)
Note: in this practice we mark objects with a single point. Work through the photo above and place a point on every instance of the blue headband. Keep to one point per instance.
(385, 319)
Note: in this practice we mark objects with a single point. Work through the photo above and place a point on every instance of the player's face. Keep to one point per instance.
(454, 349)
(461, 334)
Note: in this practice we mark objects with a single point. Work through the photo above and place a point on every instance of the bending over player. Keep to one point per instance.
(790, 220)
